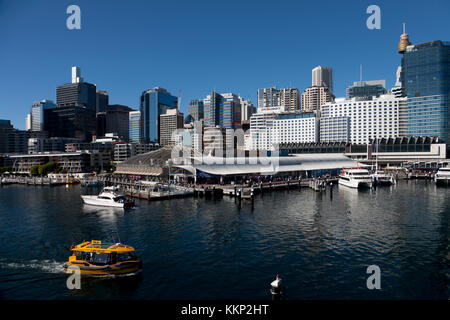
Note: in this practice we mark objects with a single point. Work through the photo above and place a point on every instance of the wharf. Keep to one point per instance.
(248, 191)
(35, 181)
(152, 190)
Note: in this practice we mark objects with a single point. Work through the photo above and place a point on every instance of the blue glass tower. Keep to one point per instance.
(154, 102)
(37, 114)
(135, 126)
(426, 81)
(222, 110)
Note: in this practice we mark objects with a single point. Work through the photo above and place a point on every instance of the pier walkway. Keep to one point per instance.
(152, 190)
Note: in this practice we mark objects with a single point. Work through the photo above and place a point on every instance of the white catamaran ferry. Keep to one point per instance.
(355, 178)
(442, 177)
(381, 178)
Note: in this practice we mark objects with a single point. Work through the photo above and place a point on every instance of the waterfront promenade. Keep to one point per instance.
(163, 189)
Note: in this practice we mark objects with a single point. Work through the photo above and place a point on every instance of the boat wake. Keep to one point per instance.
(113, 276)
(45, 266)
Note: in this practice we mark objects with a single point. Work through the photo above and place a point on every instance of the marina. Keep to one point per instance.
(319, 242)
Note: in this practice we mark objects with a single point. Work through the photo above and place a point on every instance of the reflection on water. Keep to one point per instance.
(320, 243)
(106, 213)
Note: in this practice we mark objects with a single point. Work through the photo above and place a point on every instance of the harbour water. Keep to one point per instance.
(195, 248)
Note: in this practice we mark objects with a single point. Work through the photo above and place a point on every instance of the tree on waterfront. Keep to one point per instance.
(46, 168)
(6, 169)
(34, 170)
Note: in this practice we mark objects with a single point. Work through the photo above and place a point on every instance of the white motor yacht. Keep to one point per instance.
(109, 197)
(355, 178)
(381, 178)
(442, 177)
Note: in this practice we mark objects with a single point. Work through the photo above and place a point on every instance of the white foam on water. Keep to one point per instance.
(46, 266)
(111, 276)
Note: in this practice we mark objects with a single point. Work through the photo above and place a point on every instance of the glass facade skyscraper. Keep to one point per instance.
(366, 89)
(222, 110)
(196, 109)
(71, 122)
(81, 94)
(154, 102)
(101, 100)
(37, 114)
(117, 121)
(135, 126)
(426, 81)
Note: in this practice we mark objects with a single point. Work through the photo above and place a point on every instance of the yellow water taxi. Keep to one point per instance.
(99, 259)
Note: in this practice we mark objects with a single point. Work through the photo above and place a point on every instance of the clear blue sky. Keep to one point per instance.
(194, 46)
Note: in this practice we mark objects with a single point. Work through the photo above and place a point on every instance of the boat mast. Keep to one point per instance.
(376, 159)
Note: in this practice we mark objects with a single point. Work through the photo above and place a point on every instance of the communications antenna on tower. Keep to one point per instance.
(404, 41)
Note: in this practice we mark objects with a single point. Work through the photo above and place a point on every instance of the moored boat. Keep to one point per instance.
(355, 178)
(381, 178)
(109, 197)
(102, 259)
(442, 177)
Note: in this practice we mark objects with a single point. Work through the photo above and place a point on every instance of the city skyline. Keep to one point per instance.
(239, 72)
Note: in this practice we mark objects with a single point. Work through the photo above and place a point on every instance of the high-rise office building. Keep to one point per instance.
(425, 77)
(397, 90)
(268, 97)
(196, 109)
(315, 97)
(101, 124)
(153, 103)
(274, 97)
(101, 100)
(373, 88)
(76, 75)
(16, 141)
(118, 121)
(323, 77)
(247, 109)
(222, 110)
(76, 93)
(290, 99)
(135, 126)
(170, 121)
(71, 122)
(37, 114)
(5, 124)
(28, 122)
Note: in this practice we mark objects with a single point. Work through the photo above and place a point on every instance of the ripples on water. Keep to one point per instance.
(194, 248)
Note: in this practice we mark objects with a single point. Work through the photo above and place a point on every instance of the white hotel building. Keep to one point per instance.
(273, 126)
(358, 120)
